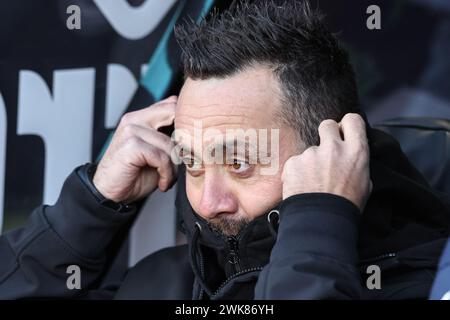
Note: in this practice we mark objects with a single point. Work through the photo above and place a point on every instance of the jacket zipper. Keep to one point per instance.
(202, 272)
(234, 254)
(234, 276)
(234, 261)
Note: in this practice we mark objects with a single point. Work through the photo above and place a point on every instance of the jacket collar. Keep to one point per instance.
(216, 258)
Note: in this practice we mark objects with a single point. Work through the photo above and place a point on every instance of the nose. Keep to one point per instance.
(217, 198)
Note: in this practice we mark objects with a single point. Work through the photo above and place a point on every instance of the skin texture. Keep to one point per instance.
(230, 194)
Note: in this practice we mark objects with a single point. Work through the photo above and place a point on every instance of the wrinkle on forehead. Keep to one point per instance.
(223, 109)
(250, 97)
(246, 117)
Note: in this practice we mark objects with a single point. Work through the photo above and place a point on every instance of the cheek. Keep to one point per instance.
(260, 197)
(193, 192)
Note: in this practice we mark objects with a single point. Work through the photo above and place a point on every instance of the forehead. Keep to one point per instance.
(248, 99)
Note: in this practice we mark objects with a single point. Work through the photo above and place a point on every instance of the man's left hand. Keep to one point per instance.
(339, 165)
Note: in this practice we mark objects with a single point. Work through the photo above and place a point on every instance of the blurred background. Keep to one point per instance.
(62, 90)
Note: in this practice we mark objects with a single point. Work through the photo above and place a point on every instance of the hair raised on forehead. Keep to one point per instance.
(291, 39)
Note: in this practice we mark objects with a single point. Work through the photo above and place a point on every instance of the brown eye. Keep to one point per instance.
(239, 166)
(192, 165)
(236, 165)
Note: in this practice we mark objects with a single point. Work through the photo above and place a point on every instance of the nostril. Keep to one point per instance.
(211, 206)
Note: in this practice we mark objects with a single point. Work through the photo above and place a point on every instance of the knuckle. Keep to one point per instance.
(289, 165)
(172, 98)
(126, 118)
(290, 161)
(354, 118)
(128, 130)
(132, 143)
(327, 123)
(351, 116)
(310, 152)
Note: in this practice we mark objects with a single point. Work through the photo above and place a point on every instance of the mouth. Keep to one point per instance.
(228, 225)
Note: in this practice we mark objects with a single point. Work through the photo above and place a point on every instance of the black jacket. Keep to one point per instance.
(319, 249)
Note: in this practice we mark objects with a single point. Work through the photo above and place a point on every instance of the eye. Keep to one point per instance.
(239, 166)
(192, 164)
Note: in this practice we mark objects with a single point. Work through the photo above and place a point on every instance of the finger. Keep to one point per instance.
(163, 115)
(329, 131)
(291, 159)
(150, 136)
(354, 129)
(171, 99)
(159, 160)
(156, 116)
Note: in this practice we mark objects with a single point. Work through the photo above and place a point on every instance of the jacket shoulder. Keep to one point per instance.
(164, 274)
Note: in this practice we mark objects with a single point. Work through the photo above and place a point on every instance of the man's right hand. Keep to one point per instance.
(137, 160)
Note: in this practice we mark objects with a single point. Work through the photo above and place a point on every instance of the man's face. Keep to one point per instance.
(237, 187)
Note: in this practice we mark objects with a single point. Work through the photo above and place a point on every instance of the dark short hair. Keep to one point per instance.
(291, 38)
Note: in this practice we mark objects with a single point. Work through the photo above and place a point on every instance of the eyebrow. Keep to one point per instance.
(227, 145)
